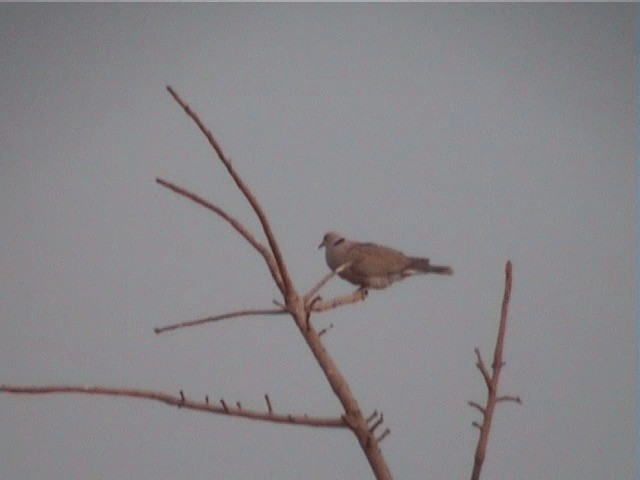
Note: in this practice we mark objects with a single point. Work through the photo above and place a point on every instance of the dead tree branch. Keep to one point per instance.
(224, 316)
(287, 288)
(492, 381)
(298, 307)
(180, 401)
(241, 229)
(355, 297)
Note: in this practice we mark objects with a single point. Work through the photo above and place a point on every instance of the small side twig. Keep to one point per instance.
(377, 423)
(269, 407)
(476, 405)
(509, 398)
(482, 368)
(325, 330)
(386, 432)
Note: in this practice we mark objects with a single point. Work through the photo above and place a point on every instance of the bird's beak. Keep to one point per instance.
(321, 245)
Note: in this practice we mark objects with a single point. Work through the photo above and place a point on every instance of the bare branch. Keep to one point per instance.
(241, 229)
(224, 405)
(355, 297)
(200, 321)
(269, 407)
(178, 401)
(257, 208)
(373, 415)
(492, 380)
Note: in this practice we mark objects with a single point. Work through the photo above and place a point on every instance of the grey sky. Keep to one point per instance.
(471, 134)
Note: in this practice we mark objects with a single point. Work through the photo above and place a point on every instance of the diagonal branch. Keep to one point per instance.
(287, 285)
(224, 316)
(180, 401)
(308, 296)
(241, 229)
(353, 414)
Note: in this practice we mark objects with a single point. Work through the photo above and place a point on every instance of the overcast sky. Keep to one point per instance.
(470, 134)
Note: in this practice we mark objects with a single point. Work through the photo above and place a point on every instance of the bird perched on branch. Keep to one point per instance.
(373, 266)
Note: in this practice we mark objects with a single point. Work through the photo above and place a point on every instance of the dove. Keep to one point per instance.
(371, 265)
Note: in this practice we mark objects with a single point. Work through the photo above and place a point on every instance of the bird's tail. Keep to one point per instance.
(422, 265)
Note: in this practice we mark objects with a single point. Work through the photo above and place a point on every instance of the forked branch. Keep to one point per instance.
(491, 381)
(257, 208)
(239, 227)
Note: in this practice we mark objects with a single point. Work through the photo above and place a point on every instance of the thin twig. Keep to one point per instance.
(386, 432)
(377, 423)
(476, 405)
(178, 401)
(239, 227)
(200, 321)
(325, 330)
(268, 400)
(257, 208)
(509, 398)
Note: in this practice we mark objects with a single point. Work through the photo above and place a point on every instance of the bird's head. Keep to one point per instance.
(330, 239)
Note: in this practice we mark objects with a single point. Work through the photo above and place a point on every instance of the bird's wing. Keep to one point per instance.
(371, 259)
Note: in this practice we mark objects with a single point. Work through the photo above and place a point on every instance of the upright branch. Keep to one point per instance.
(286, 279)
(491, 381)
